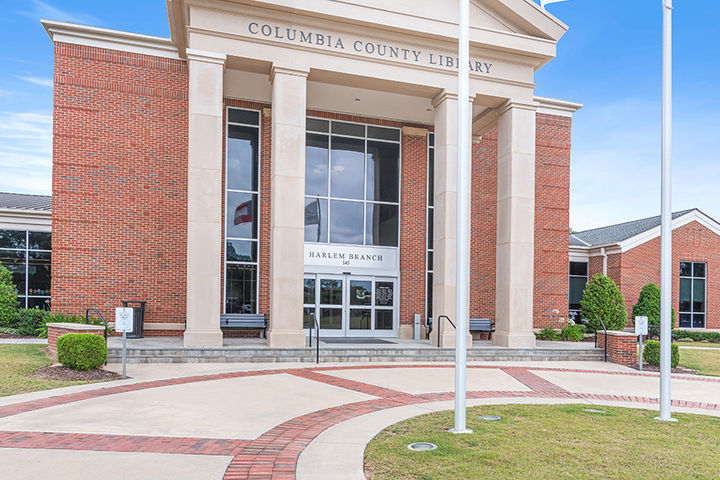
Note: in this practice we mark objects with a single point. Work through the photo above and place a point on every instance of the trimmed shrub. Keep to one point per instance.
(651, 353)
(81, 351)
(572, 333)
(30, 321)
(8, 298)
(698, 336)
(602, 299)
(548, 333)
(648, 305)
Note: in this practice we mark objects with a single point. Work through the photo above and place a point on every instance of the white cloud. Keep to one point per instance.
(25, 152)
(43, 82)
(37, 9)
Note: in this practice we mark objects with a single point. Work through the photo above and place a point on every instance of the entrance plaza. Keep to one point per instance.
(197, 422)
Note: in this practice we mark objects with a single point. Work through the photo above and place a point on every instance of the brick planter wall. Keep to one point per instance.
(622, 347)
(55, 330)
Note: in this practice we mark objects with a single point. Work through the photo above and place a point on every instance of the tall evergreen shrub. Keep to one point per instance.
(602, 300)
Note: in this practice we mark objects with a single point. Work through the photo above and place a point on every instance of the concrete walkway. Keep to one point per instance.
(239, 421)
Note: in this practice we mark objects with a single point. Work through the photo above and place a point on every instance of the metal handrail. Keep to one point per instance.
(87, 322)
(448, 319)
(317, 339)
(605, 329)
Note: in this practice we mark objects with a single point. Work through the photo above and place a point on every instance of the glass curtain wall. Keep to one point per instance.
(578, 280)
(693, 277)
(352, 183)
(27, 256)
(241, 210)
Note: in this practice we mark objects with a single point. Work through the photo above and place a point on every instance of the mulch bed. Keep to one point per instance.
(654, 368)
(58, 372)
(7, 335)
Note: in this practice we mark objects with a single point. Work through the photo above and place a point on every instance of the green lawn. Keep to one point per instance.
(706, 362)
(699, 344)
(549, 442)
(16, 362)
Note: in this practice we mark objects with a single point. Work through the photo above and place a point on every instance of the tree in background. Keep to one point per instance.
(8, 297)
(602, 300)
(648, 305)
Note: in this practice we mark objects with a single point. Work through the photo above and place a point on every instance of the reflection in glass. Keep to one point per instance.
(430, 225)
(309, 317)
(699, 270)
(41, 303)
(431, 177)
(353, 129)
(316, 219)
(360, 292)
(579, 268)
(242, 158)
(685, 269)
(577, 286)
(698, 295)
(12, 239)
(14, 261)
(39, 273)
(241, 215)
(429, 294)
(381, 225)
(317, 125)
(360, 319)
(384, 294)
(331, 318)
(241, 250)
(383, 133)
(347, 168)
(685, 319)
(316, 165)
(236, 115)
(346, 222)
(240, 288)
(698, 321)
(309, 290)
(331, 291)
(382, 171)
(383, 319)
(40, 241)
(685, 294)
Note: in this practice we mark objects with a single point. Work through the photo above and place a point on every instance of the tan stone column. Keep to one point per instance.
(515, 226)
(204, 243)
(287, 227)
(445, 220)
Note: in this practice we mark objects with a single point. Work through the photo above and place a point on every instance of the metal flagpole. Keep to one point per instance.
(463, 217)
(666, 214)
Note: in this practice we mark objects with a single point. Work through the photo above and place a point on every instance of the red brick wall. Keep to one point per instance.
(622, 347)
(54, 332)
(119, 182)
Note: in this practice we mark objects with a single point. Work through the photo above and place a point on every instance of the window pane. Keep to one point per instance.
(243, 116)
(316, 220)
(381, 225)
(698, 295)
(353, 129)
(431, 139)
(331, 291)
(430, 261)
(316, 165)
(347, 168)
(241, 251)
(14, 261)
(577, 286)
(685, 269)
(360, 319)
(41, 303)
(382, 133)
(685, 320)
(309, 317)
(241, 215)
(430, 226)
(346, 222)
(698, 321)
(12, 239)
(40, 241)
(39, 273)
(360, 292)
(309, 291)
(242, 158)
(383, 319)
(240, 288)
(317, 125)
(331, 318)
(431, 177)
(384, 294)
(382, 171)
(579, 268)
(699, 270)
(429, 294)
(685, 293)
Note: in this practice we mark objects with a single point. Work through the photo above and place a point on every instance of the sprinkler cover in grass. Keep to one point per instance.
(422, 446)
(490, 418)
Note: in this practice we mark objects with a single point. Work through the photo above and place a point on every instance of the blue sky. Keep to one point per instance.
(609, 61)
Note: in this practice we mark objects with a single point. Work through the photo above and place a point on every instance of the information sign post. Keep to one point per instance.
(641, 329)
(124, 324)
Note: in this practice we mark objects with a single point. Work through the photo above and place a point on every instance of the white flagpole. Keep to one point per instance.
(666, 214)
(463, 218)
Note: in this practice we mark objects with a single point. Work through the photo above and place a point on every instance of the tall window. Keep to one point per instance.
(693, 276)
(578, 280)
(430, 220)
(27, 256)
(352, 183)
(241, 210)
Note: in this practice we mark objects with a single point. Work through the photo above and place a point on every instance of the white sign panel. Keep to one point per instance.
(641, 325)
(124, 319)
(347, 257)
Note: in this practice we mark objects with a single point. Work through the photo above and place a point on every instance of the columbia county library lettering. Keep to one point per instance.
(297, 160)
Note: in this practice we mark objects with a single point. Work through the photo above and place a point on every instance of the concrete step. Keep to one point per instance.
(340, 355)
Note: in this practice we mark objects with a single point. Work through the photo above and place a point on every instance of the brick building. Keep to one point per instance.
(292, 161)
(629, 253)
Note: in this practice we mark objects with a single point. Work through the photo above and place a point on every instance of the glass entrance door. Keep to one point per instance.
(351, 305)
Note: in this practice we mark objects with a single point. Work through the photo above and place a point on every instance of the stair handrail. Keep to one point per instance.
(448, 319)
(87, 322)
(317, 338)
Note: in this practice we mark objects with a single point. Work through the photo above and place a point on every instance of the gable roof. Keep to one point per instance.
(621, 232)
(22, 201)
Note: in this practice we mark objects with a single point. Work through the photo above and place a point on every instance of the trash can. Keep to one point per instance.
(138, 307)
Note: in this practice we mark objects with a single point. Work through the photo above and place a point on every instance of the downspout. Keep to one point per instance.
(604, 255)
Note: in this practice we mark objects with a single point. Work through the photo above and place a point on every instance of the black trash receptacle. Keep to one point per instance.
(138, 307)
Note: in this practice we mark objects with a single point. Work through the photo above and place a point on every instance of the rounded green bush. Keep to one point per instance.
(648, 305)
(651, 353)
(602, 299)
(8, 298)
(81, 351)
